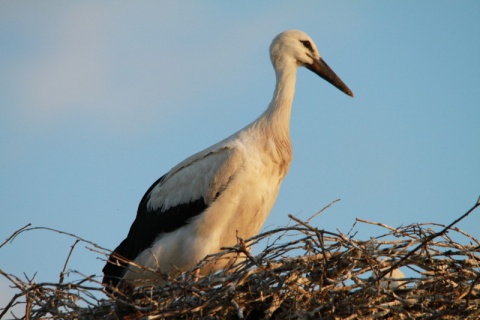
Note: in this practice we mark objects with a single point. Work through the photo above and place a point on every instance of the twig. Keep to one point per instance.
(62, 274)
(60, 232)
(323, 209)
(15, 234)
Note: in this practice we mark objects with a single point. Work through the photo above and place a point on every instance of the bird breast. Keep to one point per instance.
(252, 191)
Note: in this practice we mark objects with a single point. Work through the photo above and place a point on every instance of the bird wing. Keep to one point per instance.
(183, 193)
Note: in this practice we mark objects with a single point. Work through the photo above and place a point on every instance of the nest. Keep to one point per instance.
(303, 273)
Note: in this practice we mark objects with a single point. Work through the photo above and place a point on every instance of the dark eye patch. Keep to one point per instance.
(307, 44)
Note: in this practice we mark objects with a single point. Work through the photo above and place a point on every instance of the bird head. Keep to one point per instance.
(295, 47)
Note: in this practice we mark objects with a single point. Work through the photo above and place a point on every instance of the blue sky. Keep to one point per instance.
(98, 100)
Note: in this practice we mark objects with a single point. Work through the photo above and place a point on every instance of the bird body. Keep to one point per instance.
(225, 191)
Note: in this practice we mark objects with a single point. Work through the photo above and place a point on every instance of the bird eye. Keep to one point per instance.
(307, 44)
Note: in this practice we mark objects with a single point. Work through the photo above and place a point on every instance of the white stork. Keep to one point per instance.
(224, 191)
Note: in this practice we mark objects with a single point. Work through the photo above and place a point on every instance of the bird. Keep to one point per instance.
(223, 192)
(391, 280)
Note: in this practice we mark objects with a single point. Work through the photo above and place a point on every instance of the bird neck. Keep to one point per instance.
(279, 110)
(275, 122)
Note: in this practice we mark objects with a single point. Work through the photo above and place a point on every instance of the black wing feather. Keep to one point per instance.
(148, 225)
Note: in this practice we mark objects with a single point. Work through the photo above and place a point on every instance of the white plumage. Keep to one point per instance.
(224, 191)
